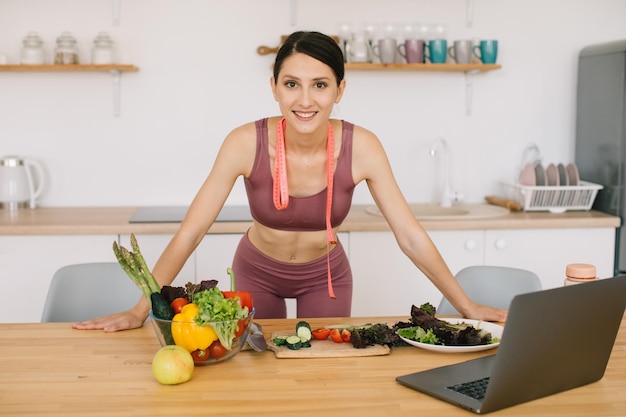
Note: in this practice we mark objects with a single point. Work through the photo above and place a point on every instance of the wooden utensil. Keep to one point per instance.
(504, 202)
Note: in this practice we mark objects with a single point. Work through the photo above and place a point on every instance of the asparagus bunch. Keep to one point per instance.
(134, 264)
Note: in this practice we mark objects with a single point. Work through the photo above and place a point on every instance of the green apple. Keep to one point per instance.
(172, 365)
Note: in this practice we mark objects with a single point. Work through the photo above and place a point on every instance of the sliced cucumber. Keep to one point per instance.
(303, 329)
(280, 340)
(294, 342)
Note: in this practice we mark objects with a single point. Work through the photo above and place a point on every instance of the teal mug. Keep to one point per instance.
(437, 51)
(487, 51)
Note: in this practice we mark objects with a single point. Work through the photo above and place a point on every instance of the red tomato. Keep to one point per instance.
(216, 349)
(320, 334)
(345, 335)
(178, 303)
(335, 335)
(200, 355)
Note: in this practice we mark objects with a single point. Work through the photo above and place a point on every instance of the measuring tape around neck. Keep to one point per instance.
(280, 191)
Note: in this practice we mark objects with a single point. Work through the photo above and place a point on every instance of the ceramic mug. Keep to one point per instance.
(385, 50)
(357, 52)
(437, 51)
(461, 52)
(412, 50)
(487, 51)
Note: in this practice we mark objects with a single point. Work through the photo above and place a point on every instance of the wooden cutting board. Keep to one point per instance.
(325, 349)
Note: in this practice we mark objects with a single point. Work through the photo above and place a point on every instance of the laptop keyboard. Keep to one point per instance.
(474, 389)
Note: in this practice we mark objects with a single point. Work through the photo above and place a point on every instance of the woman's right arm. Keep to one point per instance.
(235, 158)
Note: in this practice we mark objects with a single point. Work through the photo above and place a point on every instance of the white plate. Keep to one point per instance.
(495, 330)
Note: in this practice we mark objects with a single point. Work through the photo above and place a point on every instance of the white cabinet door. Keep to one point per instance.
(386, 282)
(29, 262)
(214, 255)
(547, 251)
(152, 246)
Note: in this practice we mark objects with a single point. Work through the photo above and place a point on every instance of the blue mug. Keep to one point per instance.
(487, 51)
(437, 51)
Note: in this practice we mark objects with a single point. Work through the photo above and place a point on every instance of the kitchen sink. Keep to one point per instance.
(432, 211)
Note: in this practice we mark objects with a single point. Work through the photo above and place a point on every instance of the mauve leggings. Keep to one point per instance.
(270, 282)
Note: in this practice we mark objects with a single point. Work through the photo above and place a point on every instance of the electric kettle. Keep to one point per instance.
(21, 182)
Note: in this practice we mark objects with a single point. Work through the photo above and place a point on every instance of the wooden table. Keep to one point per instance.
(53, 370)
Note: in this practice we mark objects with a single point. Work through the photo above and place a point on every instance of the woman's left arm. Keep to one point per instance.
(370, 163)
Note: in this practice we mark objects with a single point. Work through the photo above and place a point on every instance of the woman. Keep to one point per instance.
(291, 250)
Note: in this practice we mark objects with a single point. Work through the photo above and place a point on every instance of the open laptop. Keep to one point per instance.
(554, 340)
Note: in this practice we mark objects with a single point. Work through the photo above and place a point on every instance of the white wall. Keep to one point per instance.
(200, 76)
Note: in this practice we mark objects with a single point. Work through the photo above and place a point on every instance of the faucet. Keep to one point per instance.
(446, 192)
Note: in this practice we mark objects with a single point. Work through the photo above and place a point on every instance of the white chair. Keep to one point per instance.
(84, 291)
(492, 285)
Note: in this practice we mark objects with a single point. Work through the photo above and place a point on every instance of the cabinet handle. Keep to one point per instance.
(470, 244)
(500, 244)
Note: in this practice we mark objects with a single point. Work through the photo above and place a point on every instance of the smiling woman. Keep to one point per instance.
(300, 169)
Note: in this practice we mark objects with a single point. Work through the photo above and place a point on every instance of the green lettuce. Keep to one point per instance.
(419, 335)
(220, 313)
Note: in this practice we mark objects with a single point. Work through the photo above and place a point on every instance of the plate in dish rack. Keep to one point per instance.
(495, 330)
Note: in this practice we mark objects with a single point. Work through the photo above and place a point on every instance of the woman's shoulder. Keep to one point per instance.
(362, 135)
(250, 128)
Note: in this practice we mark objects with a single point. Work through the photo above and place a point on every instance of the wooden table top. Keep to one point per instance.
(52, 370)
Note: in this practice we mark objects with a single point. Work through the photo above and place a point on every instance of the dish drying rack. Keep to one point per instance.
(555, 199)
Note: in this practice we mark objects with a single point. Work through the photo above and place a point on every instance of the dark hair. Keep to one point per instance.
(314, 44)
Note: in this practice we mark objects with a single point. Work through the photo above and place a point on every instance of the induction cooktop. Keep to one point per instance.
(175, 214)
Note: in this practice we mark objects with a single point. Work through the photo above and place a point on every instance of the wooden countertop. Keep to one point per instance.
(115, 220)
(50, 369)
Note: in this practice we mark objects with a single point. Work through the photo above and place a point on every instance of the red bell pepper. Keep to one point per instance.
(243, 298)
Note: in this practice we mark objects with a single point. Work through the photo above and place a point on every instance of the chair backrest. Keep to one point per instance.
(84, 291)
(492, 285)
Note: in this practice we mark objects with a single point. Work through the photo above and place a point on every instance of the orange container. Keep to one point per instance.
(579, 273)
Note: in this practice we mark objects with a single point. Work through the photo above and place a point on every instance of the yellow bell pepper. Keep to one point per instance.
(187, 333)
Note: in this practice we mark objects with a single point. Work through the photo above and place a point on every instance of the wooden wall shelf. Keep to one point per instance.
(52, 67)
(423, 67)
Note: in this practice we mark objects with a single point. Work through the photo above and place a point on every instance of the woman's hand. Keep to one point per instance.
(125, 320)
(482, 312)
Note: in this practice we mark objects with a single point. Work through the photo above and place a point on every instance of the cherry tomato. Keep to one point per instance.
(320, 334)
(345, 335)
(335, 335)
(178, 303)
(216, 349)
(200, 355)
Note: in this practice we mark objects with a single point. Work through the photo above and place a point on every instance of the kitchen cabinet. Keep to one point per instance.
(29, 262)
(546, 252)
(214, 255)
(387, 283)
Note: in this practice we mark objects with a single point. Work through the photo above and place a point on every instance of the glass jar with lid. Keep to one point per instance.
(102, 52)
(66, 52)
(32, 52)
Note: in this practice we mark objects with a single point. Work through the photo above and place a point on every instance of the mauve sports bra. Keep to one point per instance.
(302, 213)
